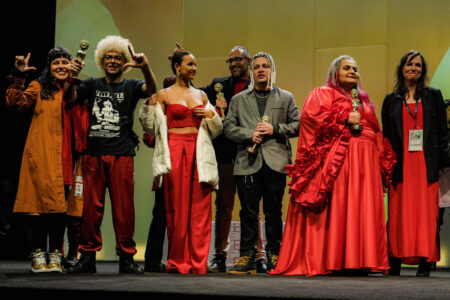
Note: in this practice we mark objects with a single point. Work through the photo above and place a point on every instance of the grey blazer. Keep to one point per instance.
(241, 121)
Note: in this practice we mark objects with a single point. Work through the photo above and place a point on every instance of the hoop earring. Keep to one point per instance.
(178, 73)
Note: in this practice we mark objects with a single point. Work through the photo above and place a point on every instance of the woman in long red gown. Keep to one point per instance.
(413, 109)
(336, 217)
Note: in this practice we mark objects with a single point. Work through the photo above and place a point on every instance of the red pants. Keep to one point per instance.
(188, 209)
(116, 173)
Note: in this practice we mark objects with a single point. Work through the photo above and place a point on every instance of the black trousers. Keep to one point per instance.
(268, 185)
(157, 231)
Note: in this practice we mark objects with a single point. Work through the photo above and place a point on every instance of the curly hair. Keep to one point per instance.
(47, 81)
(113, 43)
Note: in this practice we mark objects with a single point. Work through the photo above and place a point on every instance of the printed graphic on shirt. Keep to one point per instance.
(105, 115)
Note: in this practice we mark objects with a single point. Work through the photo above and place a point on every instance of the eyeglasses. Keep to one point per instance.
(113, 57)
(236, 59)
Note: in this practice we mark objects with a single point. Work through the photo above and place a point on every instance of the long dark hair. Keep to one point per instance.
(178, 58)
(400, 88)
(47, 81)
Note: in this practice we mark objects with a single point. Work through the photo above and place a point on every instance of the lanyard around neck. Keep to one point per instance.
(415, 111)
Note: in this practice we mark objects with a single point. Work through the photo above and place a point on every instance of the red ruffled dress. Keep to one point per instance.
(336, 217)
(413, 226)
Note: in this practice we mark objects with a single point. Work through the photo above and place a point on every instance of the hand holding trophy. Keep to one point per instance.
(77, 64)
(355, 128)
(253, 149)
(221, 98)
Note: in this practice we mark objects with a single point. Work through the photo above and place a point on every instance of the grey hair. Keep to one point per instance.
(113, 43)
(272, 75)
(334, 68)
(243, 49)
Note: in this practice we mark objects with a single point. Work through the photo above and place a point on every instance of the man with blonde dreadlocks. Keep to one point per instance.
(261, 119)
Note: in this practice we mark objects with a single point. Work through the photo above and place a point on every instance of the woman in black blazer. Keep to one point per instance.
(415, 122)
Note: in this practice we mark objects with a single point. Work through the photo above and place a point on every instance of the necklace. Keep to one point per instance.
(262, 94)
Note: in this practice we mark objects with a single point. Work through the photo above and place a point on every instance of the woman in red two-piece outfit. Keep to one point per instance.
(415, 122)
(336, 216)
(185, 157)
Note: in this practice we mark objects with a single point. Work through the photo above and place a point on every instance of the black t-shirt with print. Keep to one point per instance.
(110, 118)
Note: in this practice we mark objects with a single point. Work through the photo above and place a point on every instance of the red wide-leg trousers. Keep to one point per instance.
(116, 173)
(188, 208)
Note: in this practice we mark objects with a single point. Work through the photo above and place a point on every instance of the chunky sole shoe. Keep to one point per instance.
(39, 262)
(86, 264)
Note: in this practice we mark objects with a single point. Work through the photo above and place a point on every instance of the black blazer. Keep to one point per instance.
(225, 149)
(435, 133)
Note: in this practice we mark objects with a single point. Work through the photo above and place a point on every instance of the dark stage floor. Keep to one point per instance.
(16, 279)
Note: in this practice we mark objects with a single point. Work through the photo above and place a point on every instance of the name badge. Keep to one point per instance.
(415, 140)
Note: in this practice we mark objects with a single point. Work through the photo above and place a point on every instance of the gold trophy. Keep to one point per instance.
(84, 45)
(355, 128)
(218, 88)
(252, 149)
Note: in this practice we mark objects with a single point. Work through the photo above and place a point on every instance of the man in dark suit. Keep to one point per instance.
(266, 117)
(220, 92)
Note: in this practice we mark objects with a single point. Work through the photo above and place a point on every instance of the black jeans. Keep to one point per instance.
(157, 231)
(269, 185)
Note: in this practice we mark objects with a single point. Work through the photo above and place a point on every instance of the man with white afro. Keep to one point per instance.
(261, 119)
(108, 161)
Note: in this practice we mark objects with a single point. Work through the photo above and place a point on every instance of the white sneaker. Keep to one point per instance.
(39, 262)
(54, 264)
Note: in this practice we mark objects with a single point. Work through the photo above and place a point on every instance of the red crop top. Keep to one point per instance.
(179, 115)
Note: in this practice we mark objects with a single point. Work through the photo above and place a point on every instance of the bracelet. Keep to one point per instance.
(73, 80)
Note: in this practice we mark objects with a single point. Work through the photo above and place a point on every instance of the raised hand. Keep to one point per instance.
(21, 63)
(139, 59)
(179, 48)
(76, 65)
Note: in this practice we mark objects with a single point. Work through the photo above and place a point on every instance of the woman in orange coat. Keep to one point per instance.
(46, 169)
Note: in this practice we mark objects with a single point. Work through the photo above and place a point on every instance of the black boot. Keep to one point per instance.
(424, 268)
(218, 264)
(395, 265)
(128, 266)
(261, 265)
(86, 264)
(245, 264)
(272, 259)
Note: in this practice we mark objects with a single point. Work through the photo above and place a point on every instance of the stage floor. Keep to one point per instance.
(16, 279)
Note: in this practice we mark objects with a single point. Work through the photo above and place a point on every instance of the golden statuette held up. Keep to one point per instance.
(355, 128)
(84, 45)
(218, 87)
(253, 149)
